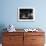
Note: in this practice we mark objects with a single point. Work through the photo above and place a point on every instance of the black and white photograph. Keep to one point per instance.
(26, 14)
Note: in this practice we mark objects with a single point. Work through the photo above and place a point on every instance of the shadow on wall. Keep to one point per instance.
(2, 26)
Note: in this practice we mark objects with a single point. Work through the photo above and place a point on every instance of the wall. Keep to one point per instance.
(9, 13)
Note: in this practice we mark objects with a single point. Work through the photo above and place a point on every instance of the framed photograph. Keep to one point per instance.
(26, 14)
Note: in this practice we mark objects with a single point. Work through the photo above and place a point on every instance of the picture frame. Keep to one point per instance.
(26, 14)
